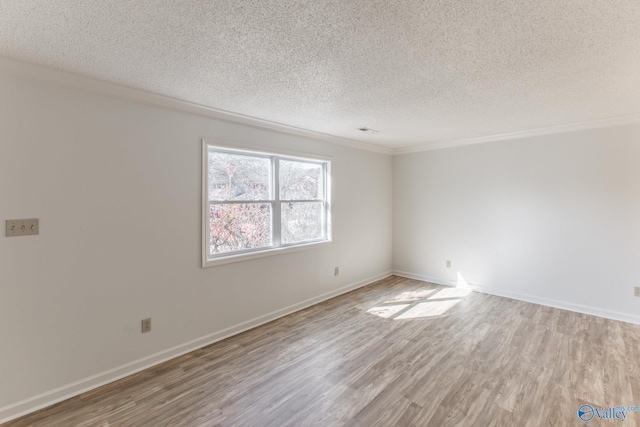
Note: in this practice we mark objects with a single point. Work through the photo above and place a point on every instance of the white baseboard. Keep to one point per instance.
(423, 278)
(564, 305)
(67, 391)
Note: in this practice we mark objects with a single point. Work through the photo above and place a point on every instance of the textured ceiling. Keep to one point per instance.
(419, 72)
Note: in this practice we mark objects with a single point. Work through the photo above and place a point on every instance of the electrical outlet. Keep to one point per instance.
(336, 271)
(146, 325)
(448, 264)
(636, 291)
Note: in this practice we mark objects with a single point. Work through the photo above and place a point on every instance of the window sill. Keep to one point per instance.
(212, 262)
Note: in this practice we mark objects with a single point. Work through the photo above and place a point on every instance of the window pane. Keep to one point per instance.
(239, 177)
(300, 180)
(301, 221)
(239, 226)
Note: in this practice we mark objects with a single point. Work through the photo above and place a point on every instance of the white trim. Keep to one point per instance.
(205, 211)
(423, 278)
(276, 211)
(20, 69)
(24, 70)
(563, 305)
(67, 391)
(261, 150)
(571, 127)
(263, 252)
(276, 247)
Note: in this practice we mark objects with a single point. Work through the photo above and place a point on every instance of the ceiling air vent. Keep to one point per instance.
(367, 130)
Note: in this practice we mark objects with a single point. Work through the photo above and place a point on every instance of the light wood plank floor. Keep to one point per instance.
(396, 353)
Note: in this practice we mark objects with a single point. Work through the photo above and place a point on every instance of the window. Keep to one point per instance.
(262, 202)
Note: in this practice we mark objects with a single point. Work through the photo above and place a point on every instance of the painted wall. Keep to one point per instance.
(117, 188)
(116, 185)
(551, 219)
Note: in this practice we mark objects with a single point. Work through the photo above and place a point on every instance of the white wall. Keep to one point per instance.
(116, 186)
(550, 219)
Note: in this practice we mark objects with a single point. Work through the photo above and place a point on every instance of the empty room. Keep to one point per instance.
(319, 213)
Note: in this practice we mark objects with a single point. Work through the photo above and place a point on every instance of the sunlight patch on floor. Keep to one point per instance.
(428, 309)
(451, 293)
(387, 311)
(422, 303)
(411, 296)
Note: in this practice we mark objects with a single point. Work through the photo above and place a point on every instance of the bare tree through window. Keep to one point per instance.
(301, 189)
(246, 211)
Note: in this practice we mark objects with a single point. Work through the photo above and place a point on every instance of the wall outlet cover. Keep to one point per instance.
(146, 325)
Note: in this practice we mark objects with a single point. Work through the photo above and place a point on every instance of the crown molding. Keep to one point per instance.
(20, 69)
(572, 127)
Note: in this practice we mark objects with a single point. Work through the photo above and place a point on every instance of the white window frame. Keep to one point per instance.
(276, 246)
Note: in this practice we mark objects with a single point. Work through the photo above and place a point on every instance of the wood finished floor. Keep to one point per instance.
(396, 353)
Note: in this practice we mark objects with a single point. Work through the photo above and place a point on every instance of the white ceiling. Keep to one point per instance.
(419, 72)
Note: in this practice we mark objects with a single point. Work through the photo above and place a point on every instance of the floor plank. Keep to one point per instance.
(399, 352)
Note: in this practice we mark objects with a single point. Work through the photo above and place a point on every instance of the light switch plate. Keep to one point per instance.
(22, 227)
